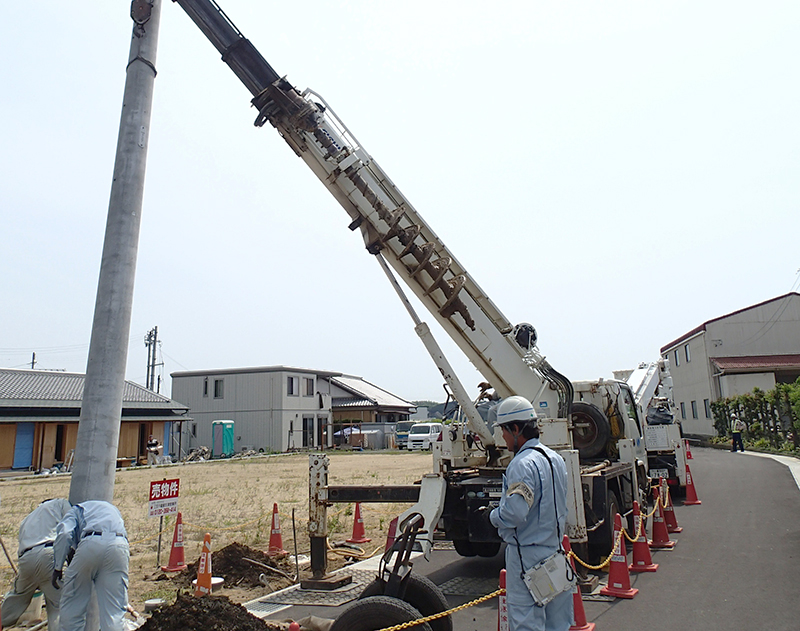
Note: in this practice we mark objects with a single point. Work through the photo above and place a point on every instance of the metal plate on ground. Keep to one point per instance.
(463, 586)
(262, 610)
(333, 598)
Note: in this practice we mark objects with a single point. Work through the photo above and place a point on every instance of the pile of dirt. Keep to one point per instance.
(230, 563)
(207, 613)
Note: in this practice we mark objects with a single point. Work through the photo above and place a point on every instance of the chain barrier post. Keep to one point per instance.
(642, 561)
(578, 614)
(669, 510)
(619, 581)
(691, 493)
(660, 540)
(502, 605)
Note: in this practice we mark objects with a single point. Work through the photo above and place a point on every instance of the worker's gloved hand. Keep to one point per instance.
(56, 579)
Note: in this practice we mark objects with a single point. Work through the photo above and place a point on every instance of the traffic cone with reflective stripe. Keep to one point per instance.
(660, 540)
(688, 450)
(204, 569)
(578, 614)
(669, 512)
(691, 494)
(275, 537)
(502, 605)
(358, 528)
(392, 534)
(619, 580)
(176, 562)
(642, 561)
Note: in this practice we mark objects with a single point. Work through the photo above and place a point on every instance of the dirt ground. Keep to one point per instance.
(233, 501)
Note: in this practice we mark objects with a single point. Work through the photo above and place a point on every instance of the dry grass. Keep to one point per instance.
(230, 499)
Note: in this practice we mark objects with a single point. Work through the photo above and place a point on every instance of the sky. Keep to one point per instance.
(615, 173)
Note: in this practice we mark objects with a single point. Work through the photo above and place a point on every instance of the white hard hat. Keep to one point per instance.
(515, 409)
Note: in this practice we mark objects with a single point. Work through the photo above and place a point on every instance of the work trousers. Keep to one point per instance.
(737, 442)
(101, 561)
(35, 571)
(523, 614)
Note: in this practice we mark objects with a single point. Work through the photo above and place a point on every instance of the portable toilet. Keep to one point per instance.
(221, 439)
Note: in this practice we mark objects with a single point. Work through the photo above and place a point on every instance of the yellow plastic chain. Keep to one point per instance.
(442, 614)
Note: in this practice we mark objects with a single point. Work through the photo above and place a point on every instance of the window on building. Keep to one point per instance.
(707, 407)
(293, 386)
(683, 410)
(686, 352)
(205, 387)
(219, 388)
(309, 387)
(194, 430)
(694, 409)
(677, 358)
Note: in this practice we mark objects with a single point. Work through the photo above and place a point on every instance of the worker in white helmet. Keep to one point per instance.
(37, 532)
(531, 517)
(95, 530)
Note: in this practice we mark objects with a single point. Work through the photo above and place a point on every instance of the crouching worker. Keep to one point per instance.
(95, 531)
(37, 532)
(531, 518)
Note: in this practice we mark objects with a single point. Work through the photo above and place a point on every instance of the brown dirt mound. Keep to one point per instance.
(207, 613)
(230, 564)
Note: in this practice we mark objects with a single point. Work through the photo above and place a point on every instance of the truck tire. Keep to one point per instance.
(422, 594)
(486, 549)
(377, 612)
(591, 429)
(464, 547)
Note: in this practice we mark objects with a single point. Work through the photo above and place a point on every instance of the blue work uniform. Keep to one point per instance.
(96, 531)
(36, 535)
(526, 521)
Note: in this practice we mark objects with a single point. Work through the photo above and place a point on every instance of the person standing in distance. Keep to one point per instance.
(531, 516)
(737, 427)
(37, 532)
(95, 530)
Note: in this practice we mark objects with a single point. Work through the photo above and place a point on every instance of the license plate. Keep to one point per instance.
(659, 473)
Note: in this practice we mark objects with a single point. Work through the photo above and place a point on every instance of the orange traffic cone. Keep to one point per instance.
(176, 562)
(660, 540)
(392, 535)
(204, 569)
(688, 450)
(619, 581)
(578, 614)
(358, 528)
(642, 561)
(275, 538)
(669, 512)
(502, 605)
(691, 494)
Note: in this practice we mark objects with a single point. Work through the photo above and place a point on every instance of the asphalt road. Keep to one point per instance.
(734, 568)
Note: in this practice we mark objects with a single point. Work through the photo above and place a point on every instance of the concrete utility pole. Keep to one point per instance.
(98, 430)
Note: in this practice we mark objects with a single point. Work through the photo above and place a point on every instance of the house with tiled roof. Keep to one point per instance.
(282, 408)
(753, 347)
(39, 413)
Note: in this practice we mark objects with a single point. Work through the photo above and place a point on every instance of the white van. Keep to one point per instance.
(421, 435)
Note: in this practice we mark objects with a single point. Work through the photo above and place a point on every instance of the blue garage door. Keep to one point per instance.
(23, 446)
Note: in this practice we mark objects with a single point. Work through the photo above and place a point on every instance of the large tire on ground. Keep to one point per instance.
(377, 612)
(487, 549)
(464, 547)
(422, 594)
(603, 540)
(591, 429)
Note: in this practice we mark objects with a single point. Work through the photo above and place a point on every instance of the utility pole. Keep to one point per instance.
(101, 411)
(151, 342)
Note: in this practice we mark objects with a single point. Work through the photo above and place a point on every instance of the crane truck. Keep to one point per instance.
(594, 425)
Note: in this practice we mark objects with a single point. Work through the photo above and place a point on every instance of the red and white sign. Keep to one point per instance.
(164, 497)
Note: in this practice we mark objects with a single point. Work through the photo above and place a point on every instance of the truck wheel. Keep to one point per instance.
(464, 547)
(487, 549)
(613, 509)
(591, 429)
(422, 594)
(377, 612)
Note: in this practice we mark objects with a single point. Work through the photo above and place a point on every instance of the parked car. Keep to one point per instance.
(421, 435)
(401, 433)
